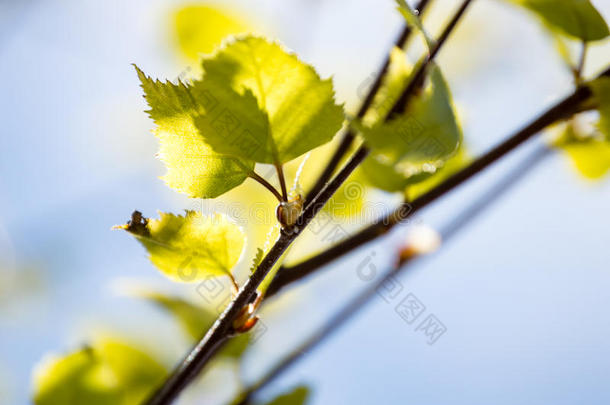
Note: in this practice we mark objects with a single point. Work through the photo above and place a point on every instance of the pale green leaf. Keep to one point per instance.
(193, 166)
(576, 18)
(192, 247)
(300, 107)
(413, 146)
(109, 372)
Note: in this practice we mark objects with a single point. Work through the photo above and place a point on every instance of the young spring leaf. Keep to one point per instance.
(411, 147)
(300, 107)
(576, 18)
(109, 372)
(192, 247)
(193, 166)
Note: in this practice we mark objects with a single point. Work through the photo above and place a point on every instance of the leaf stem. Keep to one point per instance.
(348, 137)
(253, 175)
(280, 175)
(578, 70)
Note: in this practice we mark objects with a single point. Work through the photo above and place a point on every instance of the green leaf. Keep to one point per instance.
(109, 372)
(413, 146)
(576, 18)
(200, 28)
(192, 247)
(414, 21)
(297, 396)
(195, 320)
(193, 166)
(299, 106)
(601, 91)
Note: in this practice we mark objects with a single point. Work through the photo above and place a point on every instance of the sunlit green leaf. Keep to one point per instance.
(300, 107)
(191, 247)
(200, 28)
(576, 18)
(411, 147)
(109, 372)
(193, 167)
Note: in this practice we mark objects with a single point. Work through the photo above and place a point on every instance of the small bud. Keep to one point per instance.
(289, 211)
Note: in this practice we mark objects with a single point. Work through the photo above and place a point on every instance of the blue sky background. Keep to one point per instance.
(523, 291)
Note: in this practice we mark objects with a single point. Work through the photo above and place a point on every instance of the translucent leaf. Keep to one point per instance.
(576, 18)
(195, 320)
(193, 167)
(300, 107)
(109, 372)
(411, 147)
(191, 247)
(297, 396)
(200, 28)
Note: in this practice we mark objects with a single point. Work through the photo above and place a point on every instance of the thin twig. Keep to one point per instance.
(564, 109)
(218, 334)
(348, 136)
(267, 185)
(355, 305)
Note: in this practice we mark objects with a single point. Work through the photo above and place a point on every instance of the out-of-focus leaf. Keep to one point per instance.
(410, 148)
(109, 372)
(576, 18)
(300, 106)
(193, 167)
(195, 320)
(591, 157)
(201, 28)
(601, 90)
(297, 396)
(192, 247)
(413, 20)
